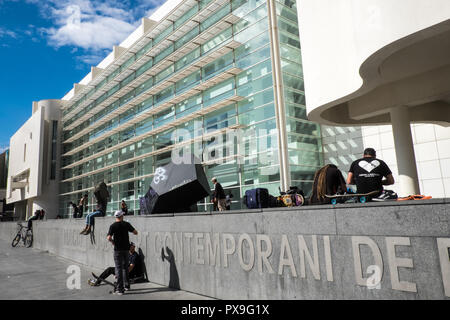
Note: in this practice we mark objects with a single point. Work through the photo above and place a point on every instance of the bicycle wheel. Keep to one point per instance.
(28, 239)
(16, 240)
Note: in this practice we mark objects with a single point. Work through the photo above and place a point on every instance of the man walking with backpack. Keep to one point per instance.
(118, 236)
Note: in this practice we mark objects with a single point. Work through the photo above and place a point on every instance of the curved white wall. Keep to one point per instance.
(342, 39)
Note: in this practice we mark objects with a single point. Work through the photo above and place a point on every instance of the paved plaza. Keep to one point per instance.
(31, 274)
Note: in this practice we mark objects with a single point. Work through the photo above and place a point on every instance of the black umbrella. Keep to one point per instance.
(175, 188)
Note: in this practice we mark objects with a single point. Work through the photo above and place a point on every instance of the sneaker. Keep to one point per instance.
(119, 293)
(127, 288)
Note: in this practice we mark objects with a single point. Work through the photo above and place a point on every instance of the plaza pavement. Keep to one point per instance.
(31, 274)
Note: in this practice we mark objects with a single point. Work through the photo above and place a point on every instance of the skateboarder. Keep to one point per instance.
(327, 180)
(368, 173)
(135, 271)
(118, 236)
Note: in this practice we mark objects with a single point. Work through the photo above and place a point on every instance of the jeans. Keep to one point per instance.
(90, 217)
(120, 260)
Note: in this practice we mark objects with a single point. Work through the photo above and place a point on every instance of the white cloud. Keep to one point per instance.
(93, 26)
(7, 33)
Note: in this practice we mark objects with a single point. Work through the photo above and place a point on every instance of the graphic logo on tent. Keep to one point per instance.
(159, 175)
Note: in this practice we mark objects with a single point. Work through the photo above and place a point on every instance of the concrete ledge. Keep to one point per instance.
(309, 252)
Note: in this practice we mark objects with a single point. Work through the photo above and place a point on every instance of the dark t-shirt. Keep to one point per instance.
(119, 231)
(101, 206)
(334, 180)
(218, 191)
(368, 174)
(135, 259)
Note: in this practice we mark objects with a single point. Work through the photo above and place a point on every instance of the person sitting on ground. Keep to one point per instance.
(35, 216)
(328, 180)
(135, 272)
(368, 173)
(124, 207)
(219, 195)
(101, 194)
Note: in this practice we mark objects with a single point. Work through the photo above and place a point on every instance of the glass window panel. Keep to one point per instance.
(187, 59)
(214, 17)
(164, 74)
(301, 142)
(164, 94)
(163, 34)
(257, 115)
(163, 54)
(249, 60)
(300, 157)
(217, 40)
(126, 171)
(164, 117)
(188, 82)
(293, 82)
(286, 12)
(256, 100)
(302, 127)
(255, 86)
(217, 66)
(291, 67)
(254, 72)
(144, 67)
(186, 16)
(144, 146)
(126, 153)
(187, 37)
(144, 126)
(246, 34)
(250, 18)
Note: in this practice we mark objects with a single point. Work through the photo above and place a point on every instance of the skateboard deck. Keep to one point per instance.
(362, 197)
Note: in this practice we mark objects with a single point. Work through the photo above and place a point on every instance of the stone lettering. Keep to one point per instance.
(178, 246)
(313, 263)
(356, 242)
(198, 249)
(289, 261)
(158, 244)
(213, 249)
(395, 263)
(246, 266)
(263, 256)
(328, 264)
(226, 237)
(188, 236)
(444, 259)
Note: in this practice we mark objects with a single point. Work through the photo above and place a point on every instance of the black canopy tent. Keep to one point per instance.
(175, 188)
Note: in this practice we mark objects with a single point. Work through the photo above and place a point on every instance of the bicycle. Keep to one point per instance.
(25, 234)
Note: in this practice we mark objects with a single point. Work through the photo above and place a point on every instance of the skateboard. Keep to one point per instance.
(361, 197)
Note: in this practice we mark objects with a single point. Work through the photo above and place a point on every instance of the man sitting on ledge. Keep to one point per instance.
(368, 173)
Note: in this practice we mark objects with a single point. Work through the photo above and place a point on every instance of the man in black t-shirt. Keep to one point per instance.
(118, 236)
(368, 173)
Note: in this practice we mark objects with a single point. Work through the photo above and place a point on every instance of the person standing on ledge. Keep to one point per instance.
(101, 194)
(368, 173)
(118, 236)
(219, 195)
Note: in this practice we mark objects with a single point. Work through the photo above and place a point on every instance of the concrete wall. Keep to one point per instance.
(306, 253)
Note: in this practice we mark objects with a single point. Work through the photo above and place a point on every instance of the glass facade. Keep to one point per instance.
(223, 81)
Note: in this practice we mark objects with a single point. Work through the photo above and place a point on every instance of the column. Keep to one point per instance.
(404, 150)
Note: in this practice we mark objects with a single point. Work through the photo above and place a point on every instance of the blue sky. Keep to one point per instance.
(48, 45)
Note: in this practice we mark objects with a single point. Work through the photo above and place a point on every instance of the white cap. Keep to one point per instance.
(118, 213)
